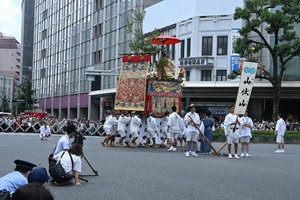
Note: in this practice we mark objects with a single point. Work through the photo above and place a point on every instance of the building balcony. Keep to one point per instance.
(197, 62)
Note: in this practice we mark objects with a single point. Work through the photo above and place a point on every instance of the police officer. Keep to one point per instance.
(12, 181)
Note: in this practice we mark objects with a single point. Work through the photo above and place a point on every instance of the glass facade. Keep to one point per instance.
(70, 35)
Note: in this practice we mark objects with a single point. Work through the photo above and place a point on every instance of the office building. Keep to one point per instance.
(9, 65)
(27, 39)
(207, 35)
(70, 35)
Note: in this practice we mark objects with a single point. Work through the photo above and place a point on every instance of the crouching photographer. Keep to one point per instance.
(68, 165)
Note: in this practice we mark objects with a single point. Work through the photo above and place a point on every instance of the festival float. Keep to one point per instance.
(147, 87)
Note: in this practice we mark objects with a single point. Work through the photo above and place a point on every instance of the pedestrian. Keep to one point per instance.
(45, 131)
(175, 127)
(231, 127)
(192, 120)
(164, 129)
(64, 143)
(246, 126)
(134, 128)
(124, 119)
(207, 127)
(279, 131)
(151, 130)
(12, 181)
(109, 124)
(71, 162)
(180, 135)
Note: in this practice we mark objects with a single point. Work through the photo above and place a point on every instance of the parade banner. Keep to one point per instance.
(162, 95)
(245, 87)
(131, 90)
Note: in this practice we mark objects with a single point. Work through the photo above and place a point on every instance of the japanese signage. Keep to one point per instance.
(234, 62)
(245, 87)
(234, 58)
(218, 110)
(234, 35)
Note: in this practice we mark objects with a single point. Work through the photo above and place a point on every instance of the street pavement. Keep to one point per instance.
(127, 173)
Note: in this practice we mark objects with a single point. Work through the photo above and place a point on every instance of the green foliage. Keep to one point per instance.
(277, 18)
(162, 62)
(27, 94)
(140, 43)
(5, 106)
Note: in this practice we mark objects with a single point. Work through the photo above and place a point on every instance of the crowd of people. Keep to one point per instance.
(291, 125)
(33, 124)
(30, 181)
(175, 127)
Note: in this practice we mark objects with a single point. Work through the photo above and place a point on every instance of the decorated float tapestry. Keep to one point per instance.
(162, 95)
(131, 90)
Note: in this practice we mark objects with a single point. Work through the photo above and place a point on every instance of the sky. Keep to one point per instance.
(10, 18)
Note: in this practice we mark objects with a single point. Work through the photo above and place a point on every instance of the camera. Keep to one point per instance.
(78, 138)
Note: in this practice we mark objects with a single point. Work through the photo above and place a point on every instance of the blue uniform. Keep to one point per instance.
(207, 124)
(12, 181)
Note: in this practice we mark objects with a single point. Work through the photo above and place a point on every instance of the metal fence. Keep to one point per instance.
(56, 128)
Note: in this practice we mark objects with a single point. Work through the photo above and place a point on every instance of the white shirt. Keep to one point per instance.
(62, 144)
(110, 122)
(246, 131)
(164, 124)
(176, 123)
(66, 162)
(122, 122)
(135, 124)
(191, 127)
(230, 118)
(151, 122)
(280, 127)
(44, 130)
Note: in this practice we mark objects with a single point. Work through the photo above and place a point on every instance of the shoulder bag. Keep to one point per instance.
(58, 173)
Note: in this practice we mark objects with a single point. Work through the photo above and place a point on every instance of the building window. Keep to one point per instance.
(221, 75)
(222, 45)
(97, 30)
(98, 5)
(207, 46)
(182, 49)
(206, 75)
(187, 75)
(188, 47)
(97, 57)
(173, 52)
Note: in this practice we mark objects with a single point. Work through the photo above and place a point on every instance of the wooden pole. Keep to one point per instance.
(224, 145)
(208, 142)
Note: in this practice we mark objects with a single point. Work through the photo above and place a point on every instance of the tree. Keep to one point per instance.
(140, 43)
(27, 94)
(5, 107)
(277, 18)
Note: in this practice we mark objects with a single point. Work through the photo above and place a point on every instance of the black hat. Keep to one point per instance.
(152, 114)
(22, 165)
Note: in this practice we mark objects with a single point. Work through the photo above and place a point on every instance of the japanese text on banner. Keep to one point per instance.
(245, 87)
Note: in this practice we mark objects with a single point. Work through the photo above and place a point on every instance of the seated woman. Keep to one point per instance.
(66, 162)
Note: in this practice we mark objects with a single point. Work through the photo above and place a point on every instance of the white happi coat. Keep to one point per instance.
(135, 124)
(122, 122)
(246, 131)
(176, 123)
